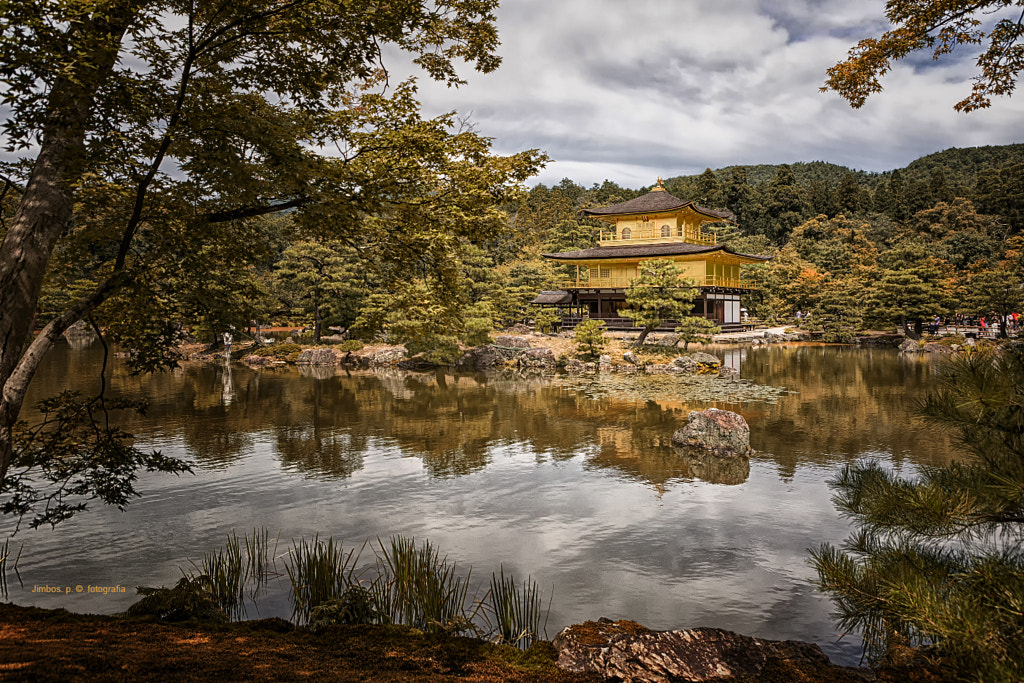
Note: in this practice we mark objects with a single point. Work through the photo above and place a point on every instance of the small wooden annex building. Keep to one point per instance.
(653, 226)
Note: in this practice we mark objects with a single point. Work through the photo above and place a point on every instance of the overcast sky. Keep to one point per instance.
(630, 90)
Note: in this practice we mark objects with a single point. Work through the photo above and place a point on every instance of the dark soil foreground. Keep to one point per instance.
(55, 645)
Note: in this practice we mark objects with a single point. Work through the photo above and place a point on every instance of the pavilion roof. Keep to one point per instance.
(553, 297)
(648, 251)
(657, 201)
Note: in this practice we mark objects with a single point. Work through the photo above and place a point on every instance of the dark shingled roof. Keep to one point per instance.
(555, 297)
(647, 251)
(657, 201)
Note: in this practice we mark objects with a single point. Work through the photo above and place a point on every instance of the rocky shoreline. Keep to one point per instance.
(55, 645)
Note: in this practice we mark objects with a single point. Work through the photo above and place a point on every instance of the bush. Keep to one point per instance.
(192, 599)
(355, 606)
(546, 319)
(350, 345)
(590, 339)
(277, 350)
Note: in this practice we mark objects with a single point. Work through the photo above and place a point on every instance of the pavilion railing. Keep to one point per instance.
(654, 232)
(623, 282)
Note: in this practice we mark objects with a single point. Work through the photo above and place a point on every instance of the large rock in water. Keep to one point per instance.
(627, 651)
(719, 431)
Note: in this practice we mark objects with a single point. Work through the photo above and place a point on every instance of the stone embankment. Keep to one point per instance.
(534, 352)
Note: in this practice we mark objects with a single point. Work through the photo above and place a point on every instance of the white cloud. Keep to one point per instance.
(631, 91)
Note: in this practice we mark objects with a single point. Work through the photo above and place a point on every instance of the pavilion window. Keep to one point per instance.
(626, 233)
(665, 231)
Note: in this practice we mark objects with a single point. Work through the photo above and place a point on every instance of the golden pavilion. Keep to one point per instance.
(653, 226)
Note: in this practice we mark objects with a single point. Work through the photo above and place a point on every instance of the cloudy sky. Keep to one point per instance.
(632, 90)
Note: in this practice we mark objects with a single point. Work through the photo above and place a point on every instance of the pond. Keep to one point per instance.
(573, 482)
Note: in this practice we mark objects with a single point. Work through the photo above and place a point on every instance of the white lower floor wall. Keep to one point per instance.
(726, 307)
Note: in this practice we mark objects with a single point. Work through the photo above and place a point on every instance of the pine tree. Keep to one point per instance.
(938, 559)
(709, 190)
(590, 339)
(849, 196)
(694, 328)
(911, 288)
(785, 206)
(657, 295)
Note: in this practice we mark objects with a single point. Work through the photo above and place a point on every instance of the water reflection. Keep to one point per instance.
(847, 403)
(586, 495)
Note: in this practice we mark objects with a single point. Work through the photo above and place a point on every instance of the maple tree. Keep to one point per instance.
(940, 26)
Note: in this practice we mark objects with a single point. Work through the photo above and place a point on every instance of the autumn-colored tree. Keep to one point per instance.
(939, 27)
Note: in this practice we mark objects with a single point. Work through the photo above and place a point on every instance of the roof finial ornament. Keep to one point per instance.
(658, 187)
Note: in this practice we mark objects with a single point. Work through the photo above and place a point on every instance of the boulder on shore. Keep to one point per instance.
(910, 346)
(627, 651)
(706, 359)
(720, 431)
(388, 356)
(318, 357)
(509, 341)
(541, 357)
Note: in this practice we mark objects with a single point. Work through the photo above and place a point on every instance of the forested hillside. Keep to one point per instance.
(943, 236)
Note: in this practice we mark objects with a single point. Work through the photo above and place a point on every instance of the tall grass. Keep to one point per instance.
(319, 571)
(513, 611)
(227, 573)
(5, 554)
(414, 586)
(418, 588)
(261, 562)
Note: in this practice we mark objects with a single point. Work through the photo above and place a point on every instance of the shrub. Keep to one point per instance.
(277, 350)
(355, 606)
(351, 345)
(191, 599)
(546, 319)
(590, 339)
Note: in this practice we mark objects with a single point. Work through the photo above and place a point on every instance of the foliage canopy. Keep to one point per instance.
(940, 26)
(939, 559)
(154, 133)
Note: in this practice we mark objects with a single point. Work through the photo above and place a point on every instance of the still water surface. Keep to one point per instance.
(586, 495)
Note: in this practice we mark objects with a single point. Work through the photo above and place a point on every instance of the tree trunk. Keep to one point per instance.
(316, 318)
(643, 336)
(46, 208)
(904, 323)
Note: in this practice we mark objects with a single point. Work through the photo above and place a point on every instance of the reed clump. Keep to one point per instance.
(6, 565)
(409, 583)
(319, 571)
(417, 587)
(514, 610)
